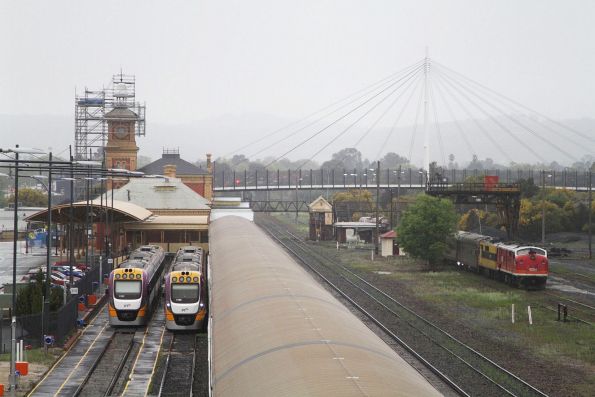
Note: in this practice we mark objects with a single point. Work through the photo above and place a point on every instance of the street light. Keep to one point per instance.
(13, 325)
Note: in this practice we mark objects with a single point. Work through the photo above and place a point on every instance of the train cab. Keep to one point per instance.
(185, 297)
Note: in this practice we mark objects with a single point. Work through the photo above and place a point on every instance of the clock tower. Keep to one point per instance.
(121, 150)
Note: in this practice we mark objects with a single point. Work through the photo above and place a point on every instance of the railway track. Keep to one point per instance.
(109, 369)
(465, 369)
(578, 311)
(180, 363)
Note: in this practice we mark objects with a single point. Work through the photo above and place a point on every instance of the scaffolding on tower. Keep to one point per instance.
(90, 124)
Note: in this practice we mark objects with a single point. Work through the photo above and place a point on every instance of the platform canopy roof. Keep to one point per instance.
(121, 211)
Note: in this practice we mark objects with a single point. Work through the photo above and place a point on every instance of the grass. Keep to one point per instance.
(37, 356)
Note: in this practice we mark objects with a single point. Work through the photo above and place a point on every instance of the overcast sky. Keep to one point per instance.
(278, 60)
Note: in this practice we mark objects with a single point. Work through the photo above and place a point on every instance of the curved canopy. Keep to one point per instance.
(121, 211)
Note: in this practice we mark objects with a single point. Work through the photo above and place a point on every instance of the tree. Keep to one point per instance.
(425, 227)
(30, 198)
(393, 160)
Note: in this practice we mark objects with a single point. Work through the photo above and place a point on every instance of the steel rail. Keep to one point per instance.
(165, 370)
(300, 244)
(168, 368)
(119, 369)
(80, 388)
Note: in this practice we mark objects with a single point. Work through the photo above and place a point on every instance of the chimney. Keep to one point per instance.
(209, 164)
(169, 170)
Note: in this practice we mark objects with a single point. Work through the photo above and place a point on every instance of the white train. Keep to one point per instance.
(135, 285)
(185, 291)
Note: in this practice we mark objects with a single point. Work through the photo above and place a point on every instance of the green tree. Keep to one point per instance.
(30, 198)
(425, 227)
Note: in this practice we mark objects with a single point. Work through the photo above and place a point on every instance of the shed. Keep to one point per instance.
(321, 219)
(388, 246)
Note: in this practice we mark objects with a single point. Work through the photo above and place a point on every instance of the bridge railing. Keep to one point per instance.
(368, 178)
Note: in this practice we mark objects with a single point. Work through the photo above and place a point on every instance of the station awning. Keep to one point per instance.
(171, 222)
(121, 211)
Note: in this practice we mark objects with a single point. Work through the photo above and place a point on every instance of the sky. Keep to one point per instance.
(216, 75)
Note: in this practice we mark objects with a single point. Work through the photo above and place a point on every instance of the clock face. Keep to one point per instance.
(121, 132)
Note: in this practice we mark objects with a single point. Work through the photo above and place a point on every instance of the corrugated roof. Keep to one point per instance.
(121, 113)
(183, 167)
(158, 193)
(389, 234)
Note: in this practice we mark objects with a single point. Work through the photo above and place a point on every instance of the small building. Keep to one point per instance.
(363, 230)
(388, 245)
(321, 220)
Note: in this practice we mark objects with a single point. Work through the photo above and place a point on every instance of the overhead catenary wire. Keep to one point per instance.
(359, 119)
(340, 118)
(365, 90)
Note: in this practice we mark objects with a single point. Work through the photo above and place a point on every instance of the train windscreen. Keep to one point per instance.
(127, 289)
(184, 293)
(528, 250)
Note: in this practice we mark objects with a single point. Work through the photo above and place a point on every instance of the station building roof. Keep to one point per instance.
(121, 211)
(183, 167)
(159, 194)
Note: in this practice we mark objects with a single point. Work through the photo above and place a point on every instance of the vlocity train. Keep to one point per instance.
(134, 287)
(185, 291)
(519, 265)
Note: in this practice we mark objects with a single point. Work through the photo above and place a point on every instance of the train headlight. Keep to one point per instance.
(117, 276)
(138, 276)
(124, 276)
(174, 279)
(188, 279)
(195, 279)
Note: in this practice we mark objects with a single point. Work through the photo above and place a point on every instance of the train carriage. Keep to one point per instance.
(134, 287)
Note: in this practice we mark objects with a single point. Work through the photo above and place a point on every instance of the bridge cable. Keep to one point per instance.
(359, 119)
(519, 104)
(392, 104)
(436, 124)
(514, 109)
(394, 125)
(292, 133)
(530, 130)
(475, 121)
(369, 88)
(340, 118)
(452, 115)
(415, 124)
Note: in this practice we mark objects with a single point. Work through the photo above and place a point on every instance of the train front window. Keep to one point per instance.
(127, 289)
(527, 251)
(184, 293)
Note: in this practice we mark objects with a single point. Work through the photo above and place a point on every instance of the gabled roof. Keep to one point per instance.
(183, 167)
(389, 234)
(160, 194)
(320, 205)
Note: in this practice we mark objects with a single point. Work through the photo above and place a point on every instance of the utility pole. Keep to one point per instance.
(426, 115)
(377, 204)
(590, 210)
